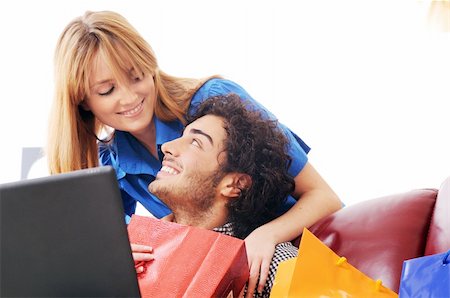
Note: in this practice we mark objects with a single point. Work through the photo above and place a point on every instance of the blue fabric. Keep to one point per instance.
(127, 219)
(136, 167)
(427, 276)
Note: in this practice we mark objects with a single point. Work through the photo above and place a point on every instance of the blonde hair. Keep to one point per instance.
(72, 141)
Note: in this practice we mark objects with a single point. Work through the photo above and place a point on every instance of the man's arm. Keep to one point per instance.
(141, 254)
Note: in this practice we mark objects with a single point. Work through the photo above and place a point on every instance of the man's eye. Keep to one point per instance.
(107, 92)
(195, 142)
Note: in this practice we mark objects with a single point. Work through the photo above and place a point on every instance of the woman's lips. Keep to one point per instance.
(132, 112)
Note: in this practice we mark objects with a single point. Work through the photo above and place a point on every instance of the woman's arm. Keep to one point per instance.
(316, 200)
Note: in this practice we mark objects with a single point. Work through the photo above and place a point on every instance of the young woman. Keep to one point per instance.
(107, 79)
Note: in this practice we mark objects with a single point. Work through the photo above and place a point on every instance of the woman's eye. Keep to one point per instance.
(109, 91)
(137, 77)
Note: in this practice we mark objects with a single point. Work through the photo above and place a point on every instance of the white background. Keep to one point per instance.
(364, 83)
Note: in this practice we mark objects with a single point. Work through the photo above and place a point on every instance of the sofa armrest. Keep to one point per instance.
(439, 234)
(377, 235)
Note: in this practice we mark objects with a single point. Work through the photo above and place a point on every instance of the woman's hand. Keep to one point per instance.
(141, 254)
(260, 250)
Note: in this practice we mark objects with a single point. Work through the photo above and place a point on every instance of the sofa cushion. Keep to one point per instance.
(377, 235)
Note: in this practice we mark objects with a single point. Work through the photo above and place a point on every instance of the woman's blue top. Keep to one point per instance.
(136, 167)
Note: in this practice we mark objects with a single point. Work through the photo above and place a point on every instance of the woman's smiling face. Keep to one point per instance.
(123, 104)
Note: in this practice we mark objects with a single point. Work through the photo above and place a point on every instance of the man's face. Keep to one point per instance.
(191, 167)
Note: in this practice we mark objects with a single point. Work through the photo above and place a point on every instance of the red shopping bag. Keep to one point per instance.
(189, 261)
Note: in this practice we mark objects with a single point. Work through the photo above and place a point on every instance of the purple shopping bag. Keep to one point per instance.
(427, 276)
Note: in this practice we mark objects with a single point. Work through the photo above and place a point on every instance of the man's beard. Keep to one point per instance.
(193, 198)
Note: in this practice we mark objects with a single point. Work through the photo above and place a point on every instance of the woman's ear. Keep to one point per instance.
(234, 183)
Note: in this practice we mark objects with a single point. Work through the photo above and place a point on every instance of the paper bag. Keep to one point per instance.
(427, 276)
(189, 261)
(319, 272)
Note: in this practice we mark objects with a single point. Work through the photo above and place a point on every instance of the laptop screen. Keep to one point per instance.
(65, 236)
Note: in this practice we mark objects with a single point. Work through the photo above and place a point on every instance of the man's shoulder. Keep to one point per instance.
(226, 229)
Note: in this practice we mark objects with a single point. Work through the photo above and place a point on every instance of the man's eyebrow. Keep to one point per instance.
(201, 132)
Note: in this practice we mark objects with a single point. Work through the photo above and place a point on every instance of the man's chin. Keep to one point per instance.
(154, 186)
(160, 189)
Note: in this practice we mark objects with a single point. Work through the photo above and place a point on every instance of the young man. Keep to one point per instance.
(227, 173)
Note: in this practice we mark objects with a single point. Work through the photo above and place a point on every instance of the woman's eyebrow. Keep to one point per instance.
(100, 82)
(201, 132)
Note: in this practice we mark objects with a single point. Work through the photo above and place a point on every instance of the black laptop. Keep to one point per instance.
(65, 236)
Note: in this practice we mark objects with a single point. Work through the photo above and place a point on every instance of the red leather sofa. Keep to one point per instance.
(377, 235)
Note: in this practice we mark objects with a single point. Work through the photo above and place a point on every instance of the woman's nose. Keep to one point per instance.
(128, 96)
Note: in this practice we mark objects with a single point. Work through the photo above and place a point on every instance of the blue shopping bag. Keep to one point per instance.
(427, 276)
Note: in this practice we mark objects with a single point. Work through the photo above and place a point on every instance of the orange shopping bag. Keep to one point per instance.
(319, 272)
(189, 261)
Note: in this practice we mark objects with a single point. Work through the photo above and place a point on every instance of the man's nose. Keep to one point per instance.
(170, 148)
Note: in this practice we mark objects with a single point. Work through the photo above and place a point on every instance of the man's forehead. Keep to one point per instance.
(211, 125)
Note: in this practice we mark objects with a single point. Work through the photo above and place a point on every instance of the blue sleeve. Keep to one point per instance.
(107, 158)
(297, 148)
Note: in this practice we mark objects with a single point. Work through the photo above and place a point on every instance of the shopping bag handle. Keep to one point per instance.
(378, 282)
(446, 259)
(341, 261)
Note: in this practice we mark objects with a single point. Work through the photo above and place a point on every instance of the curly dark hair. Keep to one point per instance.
(255, 146)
